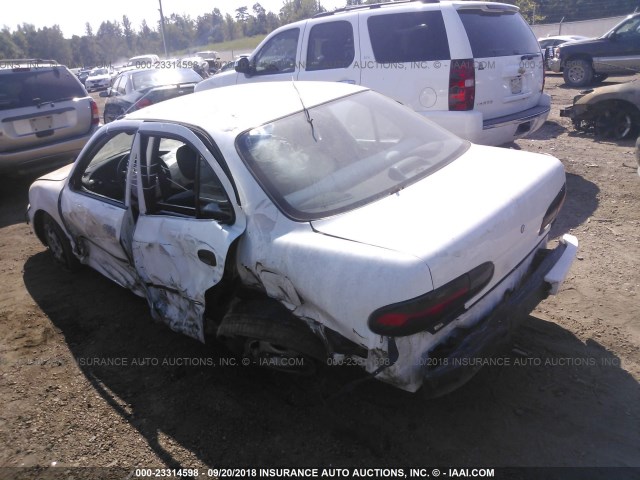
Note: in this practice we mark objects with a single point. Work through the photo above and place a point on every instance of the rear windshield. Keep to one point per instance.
(344, 154)
(38, 85)
(408, 37)
(498, 34)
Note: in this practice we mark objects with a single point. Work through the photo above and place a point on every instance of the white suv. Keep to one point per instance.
(473, 67)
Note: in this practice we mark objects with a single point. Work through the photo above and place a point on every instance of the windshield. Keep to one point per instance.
(155, 78)
(98, 71)
(344, 154)
(629, 28)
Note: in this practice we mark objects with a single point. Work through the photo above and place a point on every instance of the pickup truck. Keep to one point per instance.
(616, 52)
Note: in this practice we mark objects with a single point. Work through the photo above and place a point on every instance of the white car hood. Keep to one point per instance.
(487, 205)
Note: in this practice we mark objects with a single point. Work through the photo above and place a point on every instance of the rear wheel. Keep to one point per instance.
(616, 121)
(58, 243)
(577, 73)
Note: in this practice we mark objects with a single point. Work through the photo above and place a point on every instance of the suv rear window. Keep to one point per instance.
(36, 86)
(498, 34)
(408, 37)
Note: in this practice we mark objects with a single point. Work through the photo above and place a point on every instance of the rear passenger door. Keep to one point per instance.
(405, 55)
(329, 51)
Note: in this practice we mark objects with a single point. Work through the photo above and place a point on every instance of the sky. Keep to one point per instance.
(72, 16)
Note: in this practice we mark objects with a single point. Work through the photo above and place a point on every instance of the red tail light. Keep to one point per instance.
(95, 114)
(553, 210)
(432, 311)
(462, 85)
(143, 102)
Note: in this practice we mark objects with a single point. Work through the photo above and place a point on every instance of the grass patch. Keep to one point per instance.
(230, 48)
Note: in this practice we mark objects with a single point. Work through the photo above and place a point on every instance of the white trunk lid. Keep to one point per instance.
(463, 215)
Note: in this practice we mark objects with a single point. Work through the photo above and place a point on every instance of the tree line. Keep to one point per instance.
(116, 40)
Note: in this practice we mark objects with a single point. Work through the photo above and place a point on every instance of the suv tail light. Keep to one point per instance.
(462, 85)
(434, 310)
(95, 114)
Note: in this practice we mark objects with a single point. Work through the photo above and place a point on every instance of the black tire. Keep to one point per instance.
(617, 121)
(577, 73)
(58, 244)
(600, 77)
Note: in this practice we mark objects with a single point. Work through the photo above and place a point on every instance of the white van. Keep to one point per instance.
(473, 67)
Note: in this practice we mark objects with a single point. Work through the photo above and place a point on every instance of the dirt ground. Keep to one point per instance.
(569, 395)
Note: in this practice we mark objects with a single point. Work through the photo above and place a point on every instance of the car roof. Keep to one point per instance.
(240, 107)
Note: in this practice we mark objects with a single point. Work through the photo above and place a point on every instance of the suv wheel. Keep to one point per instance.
(578, 73)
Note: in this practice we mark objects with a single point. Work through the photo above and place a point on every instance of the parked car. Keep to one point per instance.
(139, 88)
(83, 75)
(299, 221)
(198, 64)
(149, 60)
(609, 112)
(616, 52)
(548, 44)
(212, 58)
(46, 116)
(99, 79)
(442, 59)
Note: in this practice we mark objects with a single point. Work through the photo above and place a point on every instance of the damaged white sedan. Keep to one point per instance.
(314, 222)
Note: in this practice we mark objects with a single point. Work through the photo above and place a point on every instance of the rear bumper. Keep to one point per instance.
(487, 337)
(474, 127)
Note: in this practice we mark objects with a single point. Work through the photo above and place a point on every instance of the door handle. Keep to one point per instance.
(207, 257)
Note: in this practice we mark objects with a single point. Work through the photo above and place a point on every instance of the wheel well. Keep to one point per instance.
(219, 298)
(38, 219)
(579, 56)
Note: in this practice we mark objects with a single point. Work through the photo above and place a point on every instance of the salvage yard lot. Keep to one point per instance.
(87, 379)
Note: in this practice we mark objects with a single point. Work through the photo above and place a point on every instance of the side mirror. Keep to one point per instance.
(105, 93)
(243, 66)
